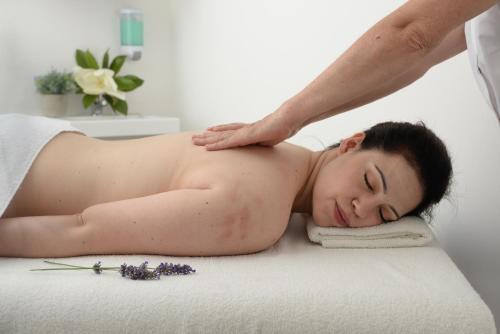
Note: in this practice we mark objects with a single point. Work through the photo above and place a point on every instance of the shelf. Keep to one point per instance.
(109, 126)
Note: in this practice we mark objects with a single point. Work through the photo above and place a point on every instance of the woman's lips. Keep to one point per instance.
(340, 216)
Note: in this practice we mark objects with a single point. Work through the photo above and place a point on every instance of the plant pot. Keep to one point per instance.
(53, 105)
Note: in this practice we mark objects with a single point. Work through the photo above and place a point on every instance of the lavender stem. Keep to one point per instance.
(63, 264)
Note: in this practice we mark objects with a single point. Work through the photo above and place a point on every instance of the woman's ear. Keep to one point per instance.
(352, 143)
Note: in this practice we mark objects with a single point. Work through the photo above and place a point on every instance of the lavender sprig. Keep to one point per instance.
(136, 273)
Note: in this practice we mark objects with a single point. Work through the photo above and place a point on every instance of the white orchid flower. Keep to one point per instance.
(95, 82)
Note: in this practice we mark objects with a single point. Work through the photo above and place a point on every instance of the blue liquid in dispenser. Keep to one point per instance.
(131, 29)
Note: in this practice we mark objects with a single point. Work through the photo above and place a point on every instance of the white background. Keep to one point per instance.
(210, 62)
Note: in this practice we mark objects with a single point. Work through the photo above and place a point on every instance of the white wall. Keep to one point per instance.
(239, 60)
(231, 60)
(36, 35)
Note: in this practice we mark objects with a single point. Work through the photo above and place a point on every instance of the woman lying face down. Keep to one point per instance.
(164, 195)
(378, 176)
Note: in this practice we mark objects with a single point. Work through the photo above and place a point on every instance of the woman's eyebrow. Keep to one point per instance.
(385, 189)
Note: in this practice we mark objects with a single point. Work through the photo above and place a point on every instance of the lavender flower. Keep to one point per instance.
(164, 268)
(136, 273)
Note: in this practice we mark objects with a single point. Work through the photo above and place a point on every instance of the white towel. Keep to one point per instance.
(22, 137)
(406, 232)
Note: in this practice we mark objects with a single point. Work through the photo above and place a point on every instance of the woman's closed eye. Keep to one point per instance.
(384, 221)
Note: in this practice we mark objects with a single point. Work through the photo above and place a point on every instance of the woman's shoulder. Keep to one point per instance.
(257, 169)
(270, 175)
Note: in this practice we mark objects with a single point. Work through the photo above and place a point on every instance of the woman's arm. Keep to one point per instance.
(40, 236)
(185, 222)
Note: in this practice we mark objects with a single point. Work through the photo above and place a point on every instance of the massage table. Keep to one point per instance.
(295, 286)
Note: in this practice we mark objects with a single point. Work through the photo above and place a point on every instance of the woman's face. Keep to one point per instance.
(361, 188)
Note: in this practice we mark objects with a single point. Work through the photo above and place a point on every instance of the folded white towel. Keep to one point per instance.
(406, 232)
(22, 137)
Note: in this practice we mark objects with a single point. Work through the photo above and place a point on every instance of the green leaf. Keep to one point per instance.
(91, 62)
(117, 63)
(117, 104)
(111, 100)
(88, 100)
(124, 84)
(81, 60)
(121, 106)
(128, 82)
(105, 59)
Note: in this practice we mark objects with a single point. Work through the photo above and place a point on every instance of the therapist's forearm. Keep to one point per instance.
(376, 93)
(382, 61)
(451, 45)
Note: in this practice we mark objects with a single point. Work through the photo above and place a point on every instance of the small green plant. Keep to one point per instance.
(55, 82)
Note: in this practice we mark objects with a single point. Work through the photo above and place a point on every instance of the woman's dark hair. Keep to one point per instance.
(422, 149)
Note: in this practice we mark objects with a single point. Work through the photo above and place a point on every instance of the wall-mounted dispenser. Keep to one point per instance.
(131, 33)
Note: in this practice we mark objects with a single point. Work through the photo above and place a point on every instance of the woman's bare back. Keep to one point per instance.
(75, 174)
(73, 171)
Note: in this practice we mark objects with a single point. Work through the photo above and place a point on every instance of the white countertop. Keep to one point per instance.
(108, 126)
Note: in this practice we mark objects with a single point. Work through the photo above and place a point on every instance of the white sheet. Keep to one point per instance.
(294, 287)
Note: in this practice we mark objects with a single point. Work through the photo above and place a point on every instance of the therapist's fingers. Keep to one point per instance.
(257, 133)
(268, 131)
(224, 127)
(219, 140)
(230, 138)
(209, 137)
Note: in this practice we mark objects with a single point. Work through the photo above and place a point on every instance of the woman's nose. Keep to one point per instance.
(364, 206)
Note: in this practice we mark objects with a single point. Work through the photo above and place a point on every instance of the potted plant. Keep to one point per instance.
(101, 84)
(52, 88)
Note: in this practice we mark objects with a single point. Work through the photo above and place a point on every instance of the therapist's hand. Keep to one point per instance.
(268, 131)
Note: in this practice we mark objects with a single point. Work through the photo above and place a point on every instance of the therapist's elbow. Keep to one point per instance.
(419, 39)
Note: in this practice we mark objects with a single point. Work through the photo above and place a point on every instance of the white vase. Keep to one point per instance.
(53, 105)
